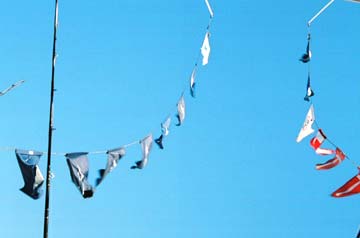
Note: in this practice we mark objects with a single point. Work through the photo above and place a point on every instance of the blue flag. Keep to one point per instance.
(28, 162)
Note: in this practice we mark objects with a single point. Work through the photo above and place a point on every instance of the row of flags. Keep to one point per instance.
(352, 186)
(78, 162)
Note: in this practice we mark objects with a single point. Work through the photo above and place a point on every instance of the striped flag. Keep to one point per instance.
(339, 157)
(351, 187)
(317, 141)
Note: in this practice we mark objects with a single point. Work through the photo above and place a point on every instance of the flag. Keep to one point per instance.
(146, 144)
(114, 156)
(181, 110)
(79, 171)
(165, 126)
(192, 82)
(205, 49)
(317, 141)
(339, 157)
(307, 56)
(309, 91)
(33, 179)
(209, 8)
(307, 126)
(351, 187)
(164, 132)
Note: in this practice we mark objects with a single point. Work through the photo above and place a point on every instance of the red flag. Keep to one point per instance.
(339, 157)
(351, 187)
(317, 141)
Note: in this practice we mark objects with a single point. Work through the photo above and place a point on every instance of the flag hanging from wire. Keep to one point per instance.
(79, 171)
(165, 126)
(307, 129)
(114, 156)
(317, 141)
(305, 58)
(192, 82)
(309, 91)
(339, 157)
(146, 145)
(205, 49)
(351, 187)
(181, 111)
(33, 179)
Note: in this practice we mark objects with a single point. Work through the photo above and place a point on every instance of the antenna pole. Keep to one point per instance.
(51, 127)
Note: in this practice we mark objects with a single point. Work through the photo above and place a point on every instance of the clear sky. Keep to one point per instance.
(233, 169)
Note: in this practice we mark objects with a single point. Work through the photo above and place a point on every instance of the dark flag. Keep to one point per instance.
(309, 91)
(79, 170)
(28, 162)
(307, 56)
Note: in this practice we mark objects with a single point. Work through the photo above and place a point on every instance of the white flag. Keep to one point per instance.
(165, 126)
(307, 127)
(181, 110)
(192, 82)
(146, 145)
(209, 7)
(205, 49)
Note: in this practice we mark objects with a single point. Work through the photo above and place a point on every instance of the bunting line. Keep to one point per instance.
(352, 186)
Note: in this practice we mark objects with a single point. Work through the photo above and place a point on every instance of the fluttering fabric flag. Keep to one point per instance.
(317, 141)
(351, 187)
(79, 170)
(209, 8)
(165, 126)
(205, 49)
(114, 156)
(192, 82)
(181, 110)
(305, 58)
(146, 145)
(11, 87)
(309, 91)
(33, 179)
(307, 129)
(339, 157)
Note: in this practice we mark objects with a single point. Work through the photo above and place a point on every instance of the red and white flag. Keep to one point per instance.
(351, 187)
(339, 157)
(317, 141)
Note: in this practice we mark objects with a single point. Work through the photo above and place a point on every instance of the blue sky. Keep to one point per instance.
(233, 168)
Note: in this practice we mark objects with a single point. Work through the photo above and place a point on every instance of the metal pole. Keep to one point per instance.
(321, 11)
(51, 127)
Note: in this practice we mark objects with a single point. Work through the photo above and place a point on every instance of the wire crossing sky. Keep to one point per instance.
(230, 168)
